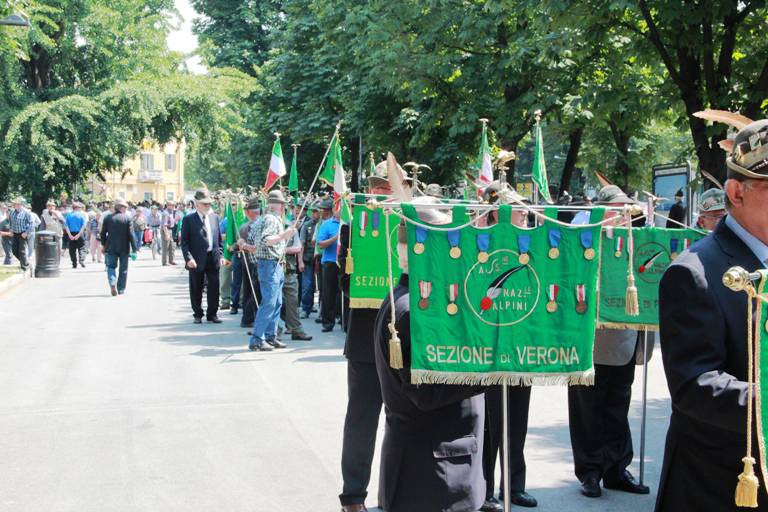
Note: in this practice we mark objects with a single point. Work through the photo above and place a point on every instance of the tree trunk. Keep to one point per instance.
(570, 159)
(621, 140)
(353, 163)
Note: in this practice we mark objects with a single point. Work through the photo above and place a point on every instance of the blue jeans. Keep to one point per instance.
(308, 287)
(237, 280)
(111, 260)
(271, 279)
(138, 237)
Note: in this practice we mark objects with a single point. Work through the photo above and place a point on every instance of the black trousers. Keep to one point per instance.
(518, 400)
(331, 294)
(19, 249)
(600, 435)
(206, 274)
(249, 304)
(77, 251)
(360, 426)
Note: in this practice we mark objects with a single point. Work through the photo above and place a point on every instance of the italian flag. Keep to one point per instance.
(276, 165)
(484, 160)
(333, 175)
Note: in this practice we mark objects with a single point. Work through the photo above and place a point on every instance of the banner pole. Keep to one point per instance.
(250, 280)
(505, 445)
(644, 406)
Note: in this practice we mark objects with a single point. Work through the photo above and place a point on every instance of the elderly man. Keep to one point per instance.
(600, 437)
(677, 212)
(22, 226)
(53, 220)
(267, 239)
(75, 224)
(6, 236)
(167, 228)
(711, 208)
(117, 242)
(703, 329)
(248, 263)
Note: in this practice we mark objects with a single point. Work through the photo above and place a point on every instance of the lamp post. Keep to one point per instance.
(14, 20)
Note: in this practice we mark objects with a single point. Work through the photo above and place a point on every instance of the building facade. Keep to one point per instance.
(156, 173)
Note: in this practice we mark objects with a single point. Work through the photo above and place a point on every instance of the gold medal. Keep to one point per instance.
(452, 309)
(581, 307)
(673, 255)
(375, 233)
(524, 258)
(551, 306)
(362, 233)
(554, 253)
(424, 303)
(482, 257)
(617, 254)
(589, 253)
(455, 253)
(766, 325)
(418, 248)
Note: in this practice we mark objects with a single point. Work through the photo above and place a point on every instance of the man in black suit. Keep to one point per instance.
(431, 457)
(201, 247)
(117, 241)
(677, 212)
(703, 341)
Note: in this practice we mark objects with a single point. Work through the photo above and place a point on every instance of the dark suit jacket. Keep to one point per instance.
(358, 345)
(194, 244)
(676, 212)
(703, 346)
(116, 236)
(431, 457)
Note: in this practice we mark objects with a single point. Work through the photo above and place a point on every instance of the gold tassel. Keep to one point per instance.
(349, 267)
(632, 302)
(746, 489)
(395, 349)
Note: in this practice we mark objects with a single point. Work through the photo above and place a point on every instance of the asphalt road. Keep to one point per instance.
(122, 404)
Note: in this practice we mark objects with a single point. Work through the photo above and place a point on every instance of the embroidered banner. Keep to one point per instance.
(368, 284)
(654, 249)
(502, 304)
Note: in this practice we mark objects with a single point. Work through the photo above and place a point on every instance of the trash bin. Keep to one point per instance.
(47, 254)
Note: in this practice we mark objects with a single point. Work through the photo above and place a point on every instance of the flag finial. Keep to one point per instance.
(484, 121)
(537, 115)
(277, 134)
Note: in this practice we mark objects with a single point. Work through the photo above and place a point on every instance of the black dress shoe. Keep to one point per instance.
(492, 505)
(198, 320)
(301, 336)
(523, 499)
(318, 320)
(590, 487)
(246, 326)
(327, 328)
(233, 310)
(215, 320)
(275, 343)
(627, 483)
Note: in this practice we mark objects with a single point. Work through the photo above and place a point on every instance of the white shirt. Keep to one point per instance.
(206, 219)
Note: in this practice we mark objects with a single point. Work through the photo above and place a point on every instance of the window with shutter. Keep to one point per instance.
(170, 162)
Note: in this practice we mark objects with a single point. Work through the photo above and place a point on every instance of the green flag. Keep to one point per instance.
(235, 218)
(484, 165)
(539, 171)
(293, 179)
(334, 157)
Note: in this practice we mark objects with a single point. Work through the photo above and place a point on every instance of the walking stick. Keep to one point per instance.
(505, 451)
(645, 403)
(250, 280)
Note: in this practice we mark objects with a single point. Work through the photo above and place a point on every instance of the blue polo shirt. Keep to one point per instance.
(75, 221)
(329, 229)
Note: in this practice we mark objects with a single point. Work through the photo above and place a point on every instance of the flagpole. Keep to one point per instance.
(537, 116)
(482, 149)
(295, 152)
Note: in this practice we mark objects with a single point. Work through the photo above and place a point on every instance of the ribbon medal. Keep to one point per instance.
(363, 223)
(483, 242)
(619, 246)
(586, 242)
(674, 245)
(552, 295)
(554, 242)
(375, 223)
(453, 294)
(523, 244)
(454, 237)
(686, 244)
(425, 290)
(581, 299)
(421, 237)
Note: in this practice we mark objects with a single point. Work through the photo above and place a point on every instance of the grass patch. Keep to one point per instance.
(7, 273)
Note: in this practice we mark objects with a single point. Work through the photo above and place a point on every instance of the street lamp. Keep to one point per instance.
(14, 20)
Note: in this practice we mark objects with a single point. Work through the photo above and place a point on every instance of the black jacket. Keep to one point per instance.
(116, 235)
(194, 244)
(676, 212)
(431, 456)
(703, 346)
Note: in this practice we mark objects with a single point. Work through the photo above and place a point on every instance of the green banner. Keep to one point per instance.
(654, 249)
(761, 369)
(502, 304)
(368, 283)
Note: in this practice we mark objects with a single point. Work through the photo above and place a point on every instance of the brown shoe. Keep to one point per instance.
(354, 508)
(301, 336)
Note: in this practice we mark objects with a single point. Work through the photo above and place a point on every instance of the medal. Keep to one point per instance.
(766, 325)
(586, 242)
(619, 246)
(421, 237)
(453, 293)
(425, 289)
(552, 303)
(554, 242)
(674, 245)
(523, 244)
(363, 223)
(375, 223)
(454, 237)
(483, 242)
(581, 299)
(686, 244)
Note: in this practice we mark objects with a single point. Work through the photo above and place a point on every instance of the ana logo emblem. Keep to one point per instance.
(502, 291)
(651, 260)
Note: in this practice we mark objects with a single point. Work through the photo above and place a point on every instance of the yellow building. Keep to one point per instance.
(156, 173)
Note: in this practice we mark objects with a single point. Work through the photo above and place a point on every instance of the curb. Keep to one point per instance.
(12, 282)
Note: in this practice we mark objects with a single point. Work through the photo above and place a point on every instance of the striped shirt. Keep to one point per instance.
(266, 226)
(21, 221)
